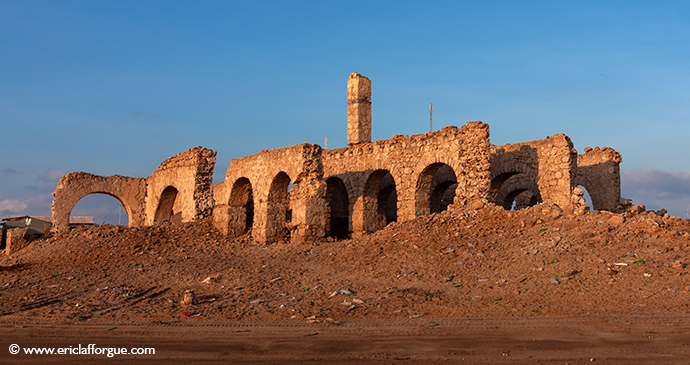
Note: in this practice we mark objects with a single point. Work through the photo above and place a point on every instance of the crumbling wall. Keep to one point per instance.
(181, 188)
(518, 161)
(130, 191)
(305, 193)
(598, 171)
(412, 161)
(277, 213)
(550, 164)
(17, 239)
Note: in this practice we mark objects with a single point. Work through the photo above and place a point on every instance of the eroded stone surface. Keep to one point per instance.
(181, 188)
(305, 193)
(598, 170)
(17, 239)
(130, 191)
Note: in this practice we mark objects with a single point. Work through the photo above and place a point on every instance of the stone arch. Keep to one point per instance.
(74, 186)
(497, 182)
(337, 208)
(435, 189)
(168, 209)
(518, 192)
(278, 209)
(506, 164)
(242, 203)
(106, 204)
(387, 202)
(191, 174)
(377, 206)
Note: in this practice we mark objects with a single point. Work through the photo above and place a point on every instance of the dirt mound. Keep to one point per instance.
(460, 263)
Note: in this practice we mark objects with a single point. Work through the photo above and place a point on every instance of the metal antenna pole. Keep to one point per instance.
(325, 142)
(431, 117)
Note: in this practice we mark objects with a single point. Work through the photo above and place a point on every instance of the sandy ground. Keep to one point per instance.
(537, 340)
(488, 286)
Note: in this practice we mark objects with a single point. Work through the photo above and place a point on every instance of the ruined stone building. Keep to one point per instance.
(306, 193)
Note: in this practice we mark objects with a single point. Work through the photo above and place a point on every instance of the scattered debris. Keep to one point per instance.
(188, 299)
(209, 279)
(341, 291)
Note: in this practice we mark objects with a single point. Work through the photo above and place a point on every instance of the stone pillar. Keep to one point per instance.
(557, 167)
(358, 216)
(262, 231)
(230, 220)
(308, 199)
(358, 109)
(308, 211)
(475, 181)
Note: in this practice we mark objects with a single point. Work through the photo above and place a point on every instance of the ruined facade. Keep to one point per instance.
(180, 190)
(275, 193)
(306, 193)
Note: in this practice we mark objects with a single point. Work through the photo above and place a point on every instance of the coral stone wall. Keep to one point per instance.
(411, 161)
(181, 188)
(304, 193)
(130, 191)
(265, 178)
(544, 167)
(598, 171)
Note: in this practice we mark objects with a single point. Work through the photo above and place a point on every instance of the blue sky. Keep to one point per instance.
(117, 87)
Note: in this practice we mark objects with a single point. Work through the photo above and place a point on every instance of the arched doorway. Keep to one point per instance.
(380, 201)
(338, 209)
(435, 189)
(279, 214)
(242, 199)
(167, 210)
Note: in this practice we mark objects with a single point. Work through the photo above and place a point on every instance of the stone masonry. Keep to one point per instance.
(358, 109)
(180, 190)
(261, 185)
(305, 193)
(130, 191)
(598, 171)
